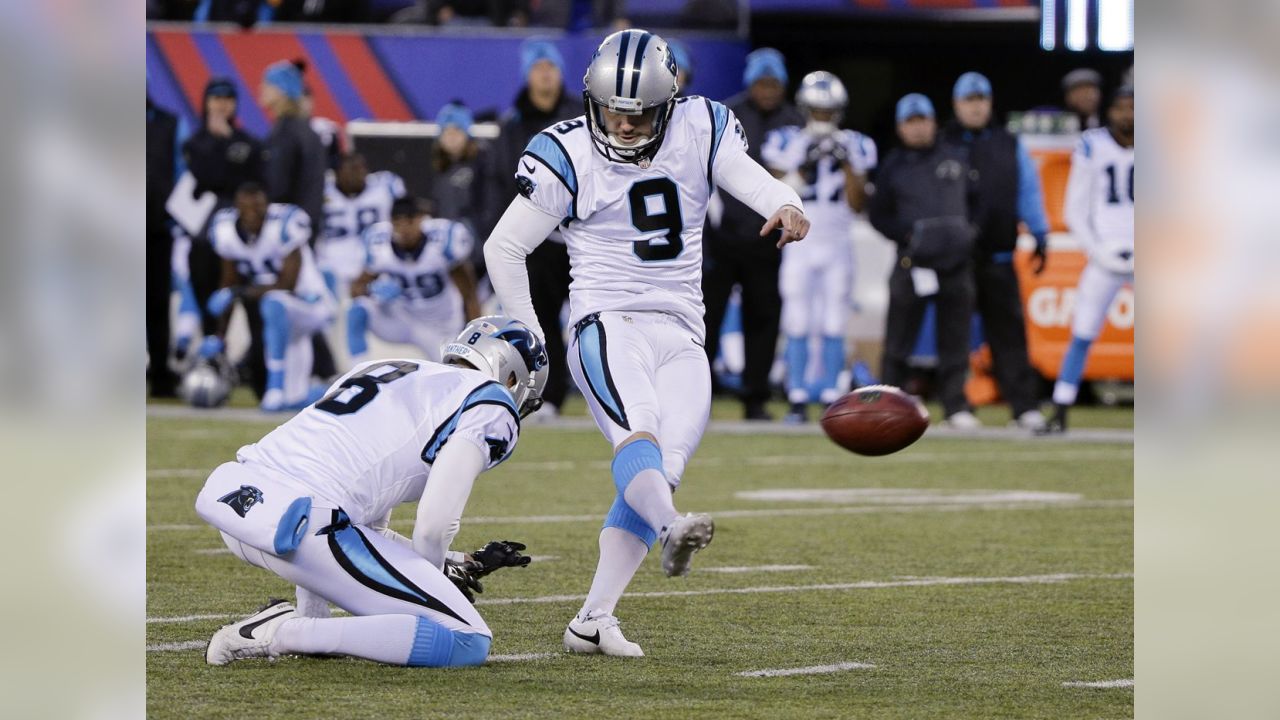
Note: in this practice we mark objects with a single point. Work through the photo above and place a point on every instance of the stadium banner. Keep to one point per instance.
(386, 75)
(1047, 301)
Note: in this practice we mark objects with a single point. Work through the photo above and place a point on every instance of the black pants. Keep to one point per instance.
(159, 289)
(206, 276)
(548, 267)
(954, 303)
(752, 263)
(1000, 305)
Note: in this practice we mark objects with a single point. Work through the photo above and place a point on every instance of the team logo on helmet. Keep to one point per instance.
(242, 500)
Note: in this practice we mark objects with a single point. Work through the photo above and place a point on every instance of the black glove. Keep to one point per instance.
(1040, 257)
(463, 579)
(497, 554)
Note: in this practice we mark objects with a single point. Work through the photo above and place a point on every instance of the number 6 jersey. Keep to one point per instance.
(369, 443)
(633, 231)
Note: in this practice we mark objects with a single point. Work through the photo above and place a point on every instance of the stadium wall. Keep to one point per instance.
(386, 75)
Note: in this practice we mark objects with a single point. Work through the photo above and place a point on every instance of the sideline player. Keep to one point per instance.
(1099, 212)
(354, 200)
(628, 183)
(266, 258)
(311, 502)
(828, 166)
(418, 284)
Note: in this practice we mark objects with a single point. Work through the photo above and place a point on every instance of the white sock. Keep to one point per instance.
(1064, 393)
(382, 638)
(621, 553)
(311, 605)
(650, 496)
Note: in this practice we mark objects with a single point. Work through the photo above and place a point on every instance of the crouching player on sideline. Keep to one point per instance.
(628, 184)
(418, 285)
(311, 502)
(266, 258)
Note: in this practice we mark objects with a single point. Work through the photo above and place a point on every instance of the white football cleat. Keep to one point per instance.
(1032, 420)
(598, 633)
(251, 637)
(272, 400)
(963, 420)
(685, 536)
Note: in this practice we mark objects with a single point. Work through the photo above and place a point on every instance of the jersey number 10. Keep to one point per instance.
(1113, 192)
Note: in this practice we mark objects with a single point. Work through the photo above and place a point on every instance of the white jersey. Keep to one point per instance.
(368, 445)
(1099, 202)
(821, 187)
(424, 275)
(286, 229)
(349, 217)
(634, 233)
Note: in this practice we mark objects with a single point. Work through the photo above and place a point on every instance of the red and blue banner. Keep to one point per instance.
(383, 76)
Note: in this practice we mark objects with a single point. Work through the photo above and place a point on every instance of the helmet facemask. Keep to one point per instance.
(610, 145)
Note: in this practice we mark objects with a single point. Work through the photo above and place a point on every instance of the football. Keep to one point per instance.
(875, 420)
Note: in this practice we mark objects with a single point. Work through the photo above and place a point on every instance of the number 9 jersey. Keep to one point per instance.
(633, 230)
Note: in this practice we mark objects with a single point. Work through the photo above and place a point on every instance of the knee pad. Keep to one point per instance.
(435, 645)
(634, 458)
(623, 517)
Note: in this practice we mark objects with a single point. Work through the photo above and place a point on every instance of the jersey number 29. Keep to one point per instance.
(668, 218)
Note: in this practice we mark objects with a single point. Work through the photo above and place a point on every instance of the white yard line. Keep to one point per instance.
(520, 657)
(811, 670)
(754, 568)
(724, 427)
(1099, 684)
(177, 473)
(212, 551)
(177, 646)
(761, 513)
(860, 585)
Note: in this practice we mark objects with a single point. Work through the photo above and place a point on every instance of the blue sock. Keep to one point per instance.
(796, 356)
(434, 645)
(832, 362)
(1073, 362)
(331, 282)
(275, 340)
(357, 328)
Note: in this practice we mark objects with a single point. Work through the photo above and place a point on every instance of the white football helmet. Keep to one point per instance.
(633, 72)
(506, 350)
(206, 385)
(820, 90)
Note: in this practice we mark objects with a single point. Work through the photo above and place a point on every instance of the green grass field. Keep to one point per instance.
(968, 604)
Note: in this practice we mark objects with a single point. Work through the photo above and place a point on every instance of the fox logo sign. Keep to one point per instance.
(242, 500)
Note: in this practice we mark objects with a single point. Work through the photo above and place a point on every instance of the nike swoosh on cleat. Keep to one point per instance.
(247, 631)
(593, 639)
(528, 167)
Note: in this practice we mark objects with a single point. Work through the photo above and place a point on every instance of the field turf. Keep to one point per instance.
(975, 577)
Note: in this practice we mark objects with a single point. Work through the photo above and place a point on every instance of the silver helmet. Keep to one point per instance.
(820, 90)
(632, 73)
(206, 385)
(506, 350)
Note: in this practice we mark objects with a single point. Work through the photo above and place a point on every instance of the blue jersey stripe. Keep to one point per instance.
(490, 393)
(719, 119)
(553, 155)
(595, 365)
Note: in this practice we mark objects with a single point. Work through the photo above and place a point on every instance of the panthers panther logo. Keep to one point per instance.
(242, 500)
